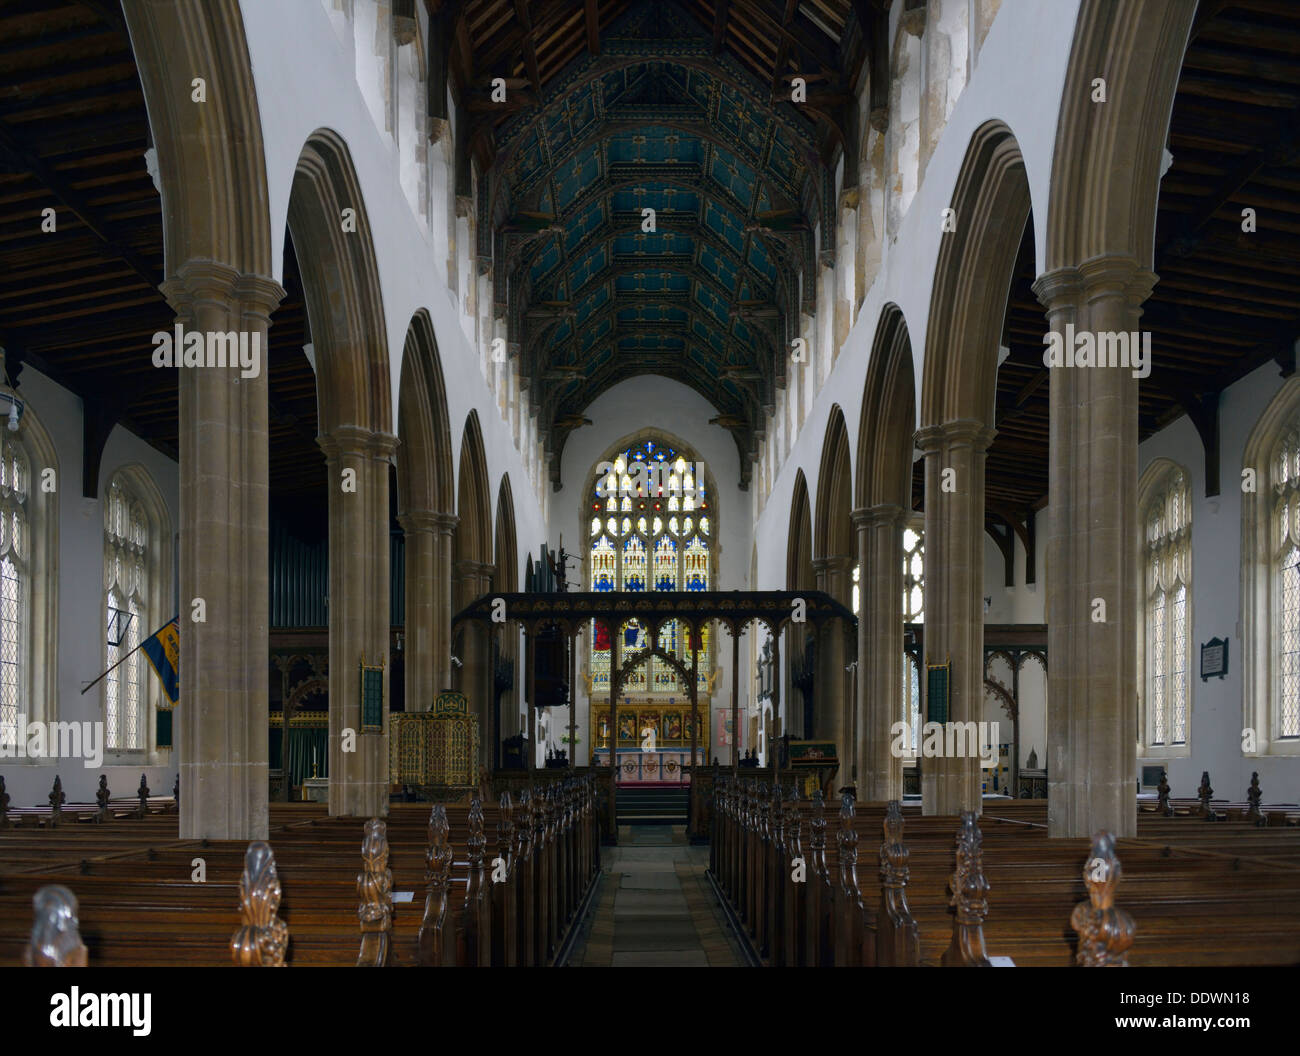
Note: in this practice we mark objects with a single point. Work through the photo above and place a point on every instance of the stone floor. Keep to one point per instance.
(655, 908)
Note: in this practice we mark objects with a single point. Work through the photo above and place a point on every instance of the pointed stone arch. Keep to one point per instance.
(833, 523)
(425, 504)
(213, 171)
(506, 552)
(340, 281)
(883, 491)
(473, 568)
(799, 575)
(1107, 159)
(798, 554)
(834, 547)
(425, 480)
(505, 579)
(991, 205)
(887, 422)
(473, 501)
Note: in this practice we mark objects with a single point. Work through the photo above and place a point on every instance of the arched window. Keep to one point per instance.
(1270, 579)
(1166, 518)
(15, 579)
(650, 529)
(126, 587)
(28, 546)
(913, 612)
(1284, 481)
(137, 592)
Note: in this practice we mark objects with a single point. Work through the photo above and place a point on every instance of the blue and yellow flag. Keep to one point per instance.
(163, 648)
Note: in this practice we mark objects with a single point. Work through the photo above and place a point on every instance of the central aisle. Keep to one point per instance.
(655, 907)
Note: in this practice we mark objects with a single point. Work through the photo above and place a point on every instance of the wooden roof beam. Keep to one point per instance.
(790, 34)
(11, 147)
(593, 27)
(721, 10)
(529, 48)
(783, 46)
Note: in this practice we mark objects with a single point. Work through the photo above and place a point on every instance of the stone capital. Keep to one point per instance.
(1115, 275)
(884, 514)
(836, 564)
(474, 570)
(420, 521)
(1058, 288)
(357, 442)
(258, 294)
(199, 282)
(969, 432)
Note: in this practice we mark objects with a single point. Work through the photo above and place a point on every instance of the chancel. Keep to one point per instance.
(615, 483)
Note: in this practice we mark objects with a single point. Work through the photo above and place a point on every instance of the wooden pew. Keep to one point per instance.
(1243, 878)
(140, 906)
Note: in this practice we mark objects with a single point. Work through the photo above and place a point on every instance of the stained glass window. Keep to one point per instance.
(1167, 557)
(126, 588)
(651, 529)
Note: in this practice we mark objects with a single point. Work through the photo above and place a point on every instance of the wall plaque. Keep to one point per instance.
(1214, 659)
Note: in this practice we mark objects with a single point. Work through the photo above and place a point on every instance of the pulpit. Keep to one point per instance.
(435, 749)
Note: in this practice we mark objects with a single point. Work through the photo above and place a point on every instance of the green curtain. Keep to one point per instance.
(301, 743)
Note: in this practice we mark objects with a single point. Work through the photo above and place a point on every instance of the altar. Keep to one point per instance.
(637, 767)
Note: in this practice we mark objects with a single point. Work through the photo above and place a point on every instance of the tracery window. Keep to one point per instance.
(913, 612)
(651, 528)
(126, 612)
(1167, 569)
(15, 583)
(1284, 575)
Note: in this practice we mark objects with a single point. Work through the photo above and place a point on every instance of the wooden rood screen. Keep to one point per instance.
(486, 884)
(812, 884)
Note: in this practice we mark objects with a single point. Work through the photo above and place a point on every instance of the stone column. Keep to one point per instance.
(954, 605)
(1092, 557)
(834, 576)
(422, 540)
(880, 650)
(445, 525)
(475, 579)
(224, 541)
(358, 611)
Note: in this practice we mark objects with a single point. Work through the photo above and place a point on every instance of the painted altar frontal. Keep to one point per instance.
(653, 742)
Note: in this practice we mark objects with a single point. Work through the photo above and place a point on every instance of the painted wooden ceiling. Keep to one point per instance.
(706, 289)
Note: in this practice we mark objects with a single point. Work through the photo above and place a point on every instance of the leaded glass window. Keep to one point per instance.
(126, 592)
(15, 582)
(1285, 481)
(1167, 560)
